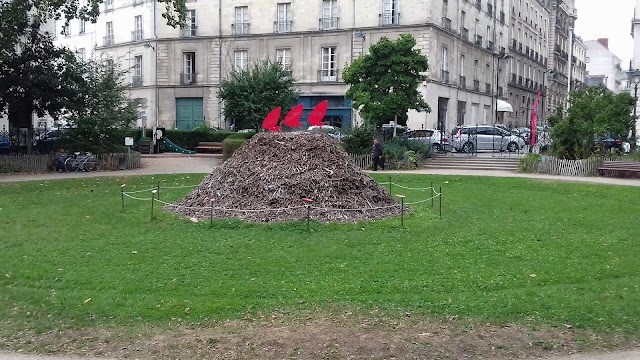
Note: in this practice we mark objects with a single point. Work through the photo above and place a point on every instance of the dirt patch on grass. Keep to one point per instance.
(318, 337)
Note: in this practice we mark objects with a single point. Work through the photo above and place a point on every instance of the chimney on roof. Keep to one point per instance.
(604, 42)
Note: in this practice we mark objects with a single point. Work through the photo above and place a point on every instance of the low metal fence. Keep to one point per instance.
(42, 163)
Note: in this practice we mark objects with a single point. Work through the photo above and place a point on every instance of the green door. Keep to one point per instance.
(188, 113)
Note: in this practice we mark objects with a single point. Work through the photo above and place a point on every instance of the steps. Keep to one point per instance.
(466, 162)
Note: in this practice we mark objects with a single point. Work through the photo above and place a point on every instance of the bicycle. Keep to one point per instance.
(77, 162)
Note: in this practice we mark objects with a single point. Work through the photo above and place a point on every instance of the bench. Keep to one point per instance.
(627, 169)
(205, 146)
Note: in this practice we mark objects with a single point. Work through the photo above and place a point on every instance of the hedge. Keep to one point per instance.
(229, 146)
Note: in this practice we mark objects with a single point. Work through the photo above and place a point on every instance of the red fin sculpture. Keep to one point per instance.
(317, 114)
(292, 119)
(270, 123)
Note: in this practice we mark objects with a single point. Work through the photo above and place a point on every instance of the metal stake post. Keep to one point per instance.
(307, 204)
(440, 196)
(158, 190)
(401, 210)
(122, 195)
(389, 184)
(211, 213)
(432, 191)
(153, 196)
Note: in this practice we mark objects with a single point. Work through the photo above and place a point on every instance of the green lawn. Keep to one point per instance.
(506, 250)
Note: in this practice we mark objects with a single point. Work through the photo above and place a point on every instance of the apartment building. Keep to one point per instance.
(634, 64)
(529, 47)
(562, 18)
(176, 73)
(578, 64)
(603, 67)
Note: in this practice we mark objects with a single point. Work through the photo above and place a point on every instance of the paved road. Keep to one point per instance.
(205, 164)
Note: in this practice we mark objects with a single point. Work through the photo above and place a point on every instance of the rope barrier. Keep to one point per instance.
(127, 194)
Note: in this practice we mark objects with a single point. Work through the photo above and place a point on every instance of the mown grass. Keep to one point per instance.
(507, 250)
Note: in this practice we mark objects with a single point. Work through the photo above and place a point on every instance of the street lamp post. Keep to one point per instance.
(636, 81)
(544, 93)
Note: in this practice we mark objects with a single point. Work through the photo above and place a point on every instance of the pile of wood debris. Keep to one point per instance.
(270, 176)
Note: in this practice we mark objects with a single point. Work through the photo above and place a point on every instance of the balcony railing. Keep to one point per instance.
(328, 75)
(330, 23)
(138, 2)
(136, 81)
(137, 35)
(519, 46)
(188, 78)
(108, 6)
(464, 33)
(446, 23)
(520, 80)
(282, 26)
(241, 28)
(490, 45)
(502, 17)
(526, 50)
(107, 40)
(463, 82)
(476, 85)
(387, 19)
(487, 88)
(513, 44)
(479, 4)
(444, 76)
(500, 91)
(513, 78)
(190, 31)
(478, 40)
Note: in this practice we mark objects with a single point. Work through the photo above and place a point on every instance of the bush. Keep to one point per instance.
(360, 141)
(229, 146)
(529, 163)
(189, 139)
(245, 136)
(405, 154)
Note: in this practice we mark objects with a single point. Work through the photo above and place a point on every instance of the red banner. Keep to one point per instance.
(317, 114)
(534, 118)
(270, 123)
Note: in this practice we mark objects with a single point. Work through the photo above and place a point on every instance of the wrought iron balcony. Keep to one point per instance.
(137, 35)
(487, 88)
(282, 26)
(463, 82)
(490, 45)
(464, 33)
(107, 40)
(328, 75)
(240, 28)
(513, 78)
(476, 85)
(478, 40)
(446, 23)
(190, 31)
(330, 23)
(136, 81)
(500, 91)
(387, 19)
(444, 76)
(188, 78)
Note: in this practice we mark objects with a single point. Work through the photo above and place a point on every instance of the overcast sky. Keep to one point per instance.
(607, 19)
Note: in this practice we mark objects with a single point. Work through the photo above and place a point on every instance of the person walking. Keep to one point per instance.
(377, 155)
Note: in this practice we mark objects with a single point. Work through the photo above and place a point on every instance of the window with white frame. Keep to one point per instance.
(108, 5)
(283, 18)
(241, 60)
(329, 69)
(108, 39)
(136, 34)
(329, 19)
(283, 56)
(80, 54)
(137, 71)
(189, 74)
(191, 28)
(83, 27)
(461, 65)
(241, 25)
(108, 64)
(444, 66)
(390, 14)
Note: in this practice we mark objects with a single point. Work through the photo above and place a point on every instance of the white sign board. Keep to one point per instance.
(128, 141)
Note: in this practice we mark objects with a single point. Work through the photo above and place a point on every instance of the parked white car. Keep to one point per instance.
(438, 140)
(470, 138)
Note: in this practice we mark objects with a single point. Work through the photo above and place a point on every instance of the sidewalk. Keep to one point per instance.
(199, 164)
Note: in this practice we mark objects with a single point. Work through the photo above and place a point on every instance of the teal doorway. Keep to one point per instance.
(189, 113)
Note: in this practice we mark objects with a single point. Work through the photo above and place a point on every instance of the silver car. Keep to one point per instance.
(438, 140)
(470, 138)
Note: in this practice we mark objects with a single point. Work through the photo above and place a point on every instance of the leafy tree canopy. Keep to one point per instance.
(249, 95)
(102, 110)
(384, 83)
(594, 112)
(38, 78)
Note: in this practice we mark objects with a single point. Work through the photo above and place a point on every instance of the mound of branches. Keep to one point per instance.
(269, 177)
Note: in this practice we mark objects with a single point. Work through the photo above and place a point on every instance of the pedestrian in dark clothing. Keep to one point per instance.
(60, 157)
(377, 155)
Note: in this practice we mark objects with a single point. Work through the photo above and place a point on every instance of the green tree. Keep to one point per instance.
(594, 112)
(38, 78)
(102, 110)
(249, 95)
(384, 83)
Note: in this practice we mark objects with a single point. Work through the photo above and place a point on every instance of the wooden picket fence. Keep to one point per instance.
(42, 163)
(363, 161)
(585, 167)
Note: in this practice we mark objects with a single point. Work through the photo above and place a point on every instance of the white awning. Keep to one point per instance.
(504, 106)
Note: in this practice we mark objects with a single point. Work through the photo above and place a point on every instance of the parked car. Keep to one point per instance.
(523, 132)
(612, 142)
(438, 140)
(326, 129)
(49, 141)
(471, 138)
(5, 144)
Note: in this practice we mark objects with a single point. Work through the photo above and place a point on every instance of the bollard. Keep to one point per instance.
(122, 195)
(401, 210)
(153, 195)
(440, 202)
